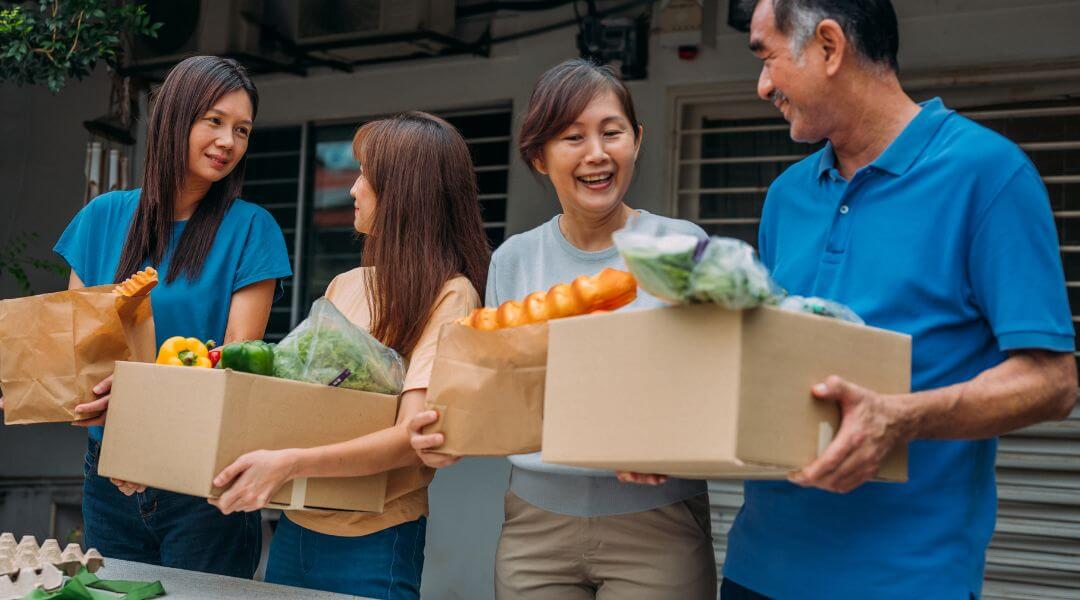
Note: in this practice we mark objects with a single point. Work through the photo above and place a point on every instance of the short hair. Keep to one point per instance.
(870, 25)
(561, 95)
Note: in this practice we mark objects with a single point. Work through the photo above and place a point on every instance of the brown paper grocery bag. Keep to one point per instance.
(488, 387)
(54, 348)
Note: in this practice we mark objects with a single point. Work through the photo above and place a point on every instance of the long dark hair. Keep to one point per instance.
(190, 89)
(426, 227)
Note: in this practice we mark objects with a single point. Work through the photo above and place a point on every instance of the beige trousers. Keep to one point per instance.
(660, 554)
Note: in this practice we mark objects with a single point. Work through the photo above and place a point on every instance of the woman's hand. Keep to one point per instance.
(424, 443)
(104, 391)
(255, 477)
(127, 488)
(640, 478)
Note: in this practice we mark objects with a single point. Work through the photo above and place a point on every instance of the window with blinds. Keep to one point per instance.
(726, 153)
(273, 180)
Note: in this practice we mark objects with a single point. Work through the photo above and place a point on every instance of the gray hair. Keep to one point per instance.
(870, 26)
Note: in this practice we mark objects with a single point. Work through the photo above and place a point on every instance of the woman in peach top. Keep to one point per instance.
(425, 257)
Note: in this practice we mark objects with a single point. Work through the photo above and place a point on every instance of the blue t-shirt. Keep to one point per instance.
(249, 247)
(948, 236)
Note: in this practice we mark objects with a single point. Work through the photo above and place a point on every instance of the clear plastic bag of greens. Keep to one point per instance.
(327, 348)
(660, 262)
(728, 273)
(821, 307)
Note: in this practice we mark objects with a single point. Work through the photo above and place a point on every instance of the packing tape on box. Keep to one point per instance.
(299, 493)
(825, 437)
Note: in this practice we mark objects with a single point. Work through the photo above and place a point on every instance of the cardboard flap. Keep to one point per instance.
(488, 387)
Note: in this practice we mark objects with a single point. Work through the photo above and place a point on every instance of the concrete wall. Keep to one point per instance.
(42, 154)
(41, 163)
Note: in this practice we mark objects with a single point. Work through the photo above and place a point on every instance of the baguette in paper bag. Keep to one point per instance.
(488, 387)
(54, 348)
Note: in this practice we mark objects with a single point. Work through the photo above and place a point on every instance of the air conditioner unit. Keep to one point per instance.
(193, 27)
(320, 21)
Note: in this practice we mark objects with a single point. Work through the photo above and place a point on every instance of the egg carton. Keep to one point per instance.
(26, 565)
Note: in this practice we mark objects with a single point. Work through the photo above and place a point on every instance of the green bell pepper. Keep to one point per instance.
(250, 357)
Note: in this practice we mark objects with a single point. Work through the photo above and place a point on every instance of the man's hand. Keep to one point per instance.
(870, 426)
(104, 391)
(423, 444)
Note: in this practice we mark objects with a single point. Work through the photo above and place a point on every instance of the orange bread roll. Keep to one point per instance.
(138, 284)
(606, 291)
(511, 314)
(535, 308)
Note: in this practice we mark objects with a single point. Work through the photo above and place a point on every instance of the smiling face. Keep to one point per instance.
(591, 163)
(219, 138)
(796, 85)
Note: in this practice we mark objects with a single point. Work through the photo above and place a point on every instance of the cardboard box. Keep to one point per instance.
(176, 428)
(703, 392)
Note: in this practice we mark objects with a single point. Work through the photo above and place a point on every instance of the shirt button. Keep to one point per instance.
(844, 209)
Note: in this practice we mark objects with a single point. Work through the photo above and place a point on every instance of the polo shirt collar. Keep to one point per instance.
(902, 152)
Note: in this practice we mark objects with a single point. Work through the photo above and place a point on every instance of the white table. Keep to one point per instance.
(192, 585)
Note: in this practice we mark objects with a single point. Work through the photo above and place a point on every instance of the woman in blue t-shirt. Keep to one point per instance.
(219, 259)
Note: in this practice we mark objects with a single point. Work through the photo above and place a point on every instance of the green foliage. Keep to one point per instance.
(58, 40)
(14, 262)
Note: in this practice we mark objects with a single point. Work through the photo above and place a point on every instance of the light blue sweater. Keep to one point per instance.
(536, 260)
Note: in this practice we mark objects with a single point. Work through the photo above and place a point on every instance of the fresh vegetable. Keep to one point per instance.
(820, 307)
(661, 263)
(138, 284)
(254, 356)
(214, 354)
(728, 273)
(328, 349)
(180, 351)
(607, 290)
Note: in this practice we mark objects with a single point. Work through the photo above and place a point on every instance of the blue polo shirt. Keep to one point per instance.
(248, 247)
(948, 236)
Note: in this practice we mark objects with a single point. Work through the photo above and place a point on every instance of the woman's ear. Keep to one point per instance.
(538, 165)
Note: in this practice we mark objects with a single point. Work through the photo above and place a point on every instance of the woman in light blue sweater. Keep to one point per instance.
(574, 533)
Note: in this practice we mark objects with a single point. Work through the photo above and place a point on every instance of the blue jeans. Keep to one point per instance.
(386, 564)
(164, 528)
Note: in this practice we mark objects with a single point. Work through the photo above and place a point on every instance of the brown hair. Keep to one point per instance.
(561, 95)
(190, 89)
(426, 227)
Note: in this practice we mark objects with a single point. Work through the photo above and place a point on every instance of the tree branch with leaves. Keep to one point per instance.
(52, 41)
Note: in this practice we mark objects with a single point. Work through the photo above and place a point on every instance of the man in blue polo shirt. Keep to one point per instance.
(926, 223)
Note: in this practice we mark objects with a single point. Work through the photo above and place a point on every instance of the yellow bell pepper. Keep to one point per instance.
(180, 351)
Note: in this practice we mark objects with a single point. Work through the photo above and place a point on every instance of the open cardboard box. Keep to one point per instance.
(703, 392)
(176, 428)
